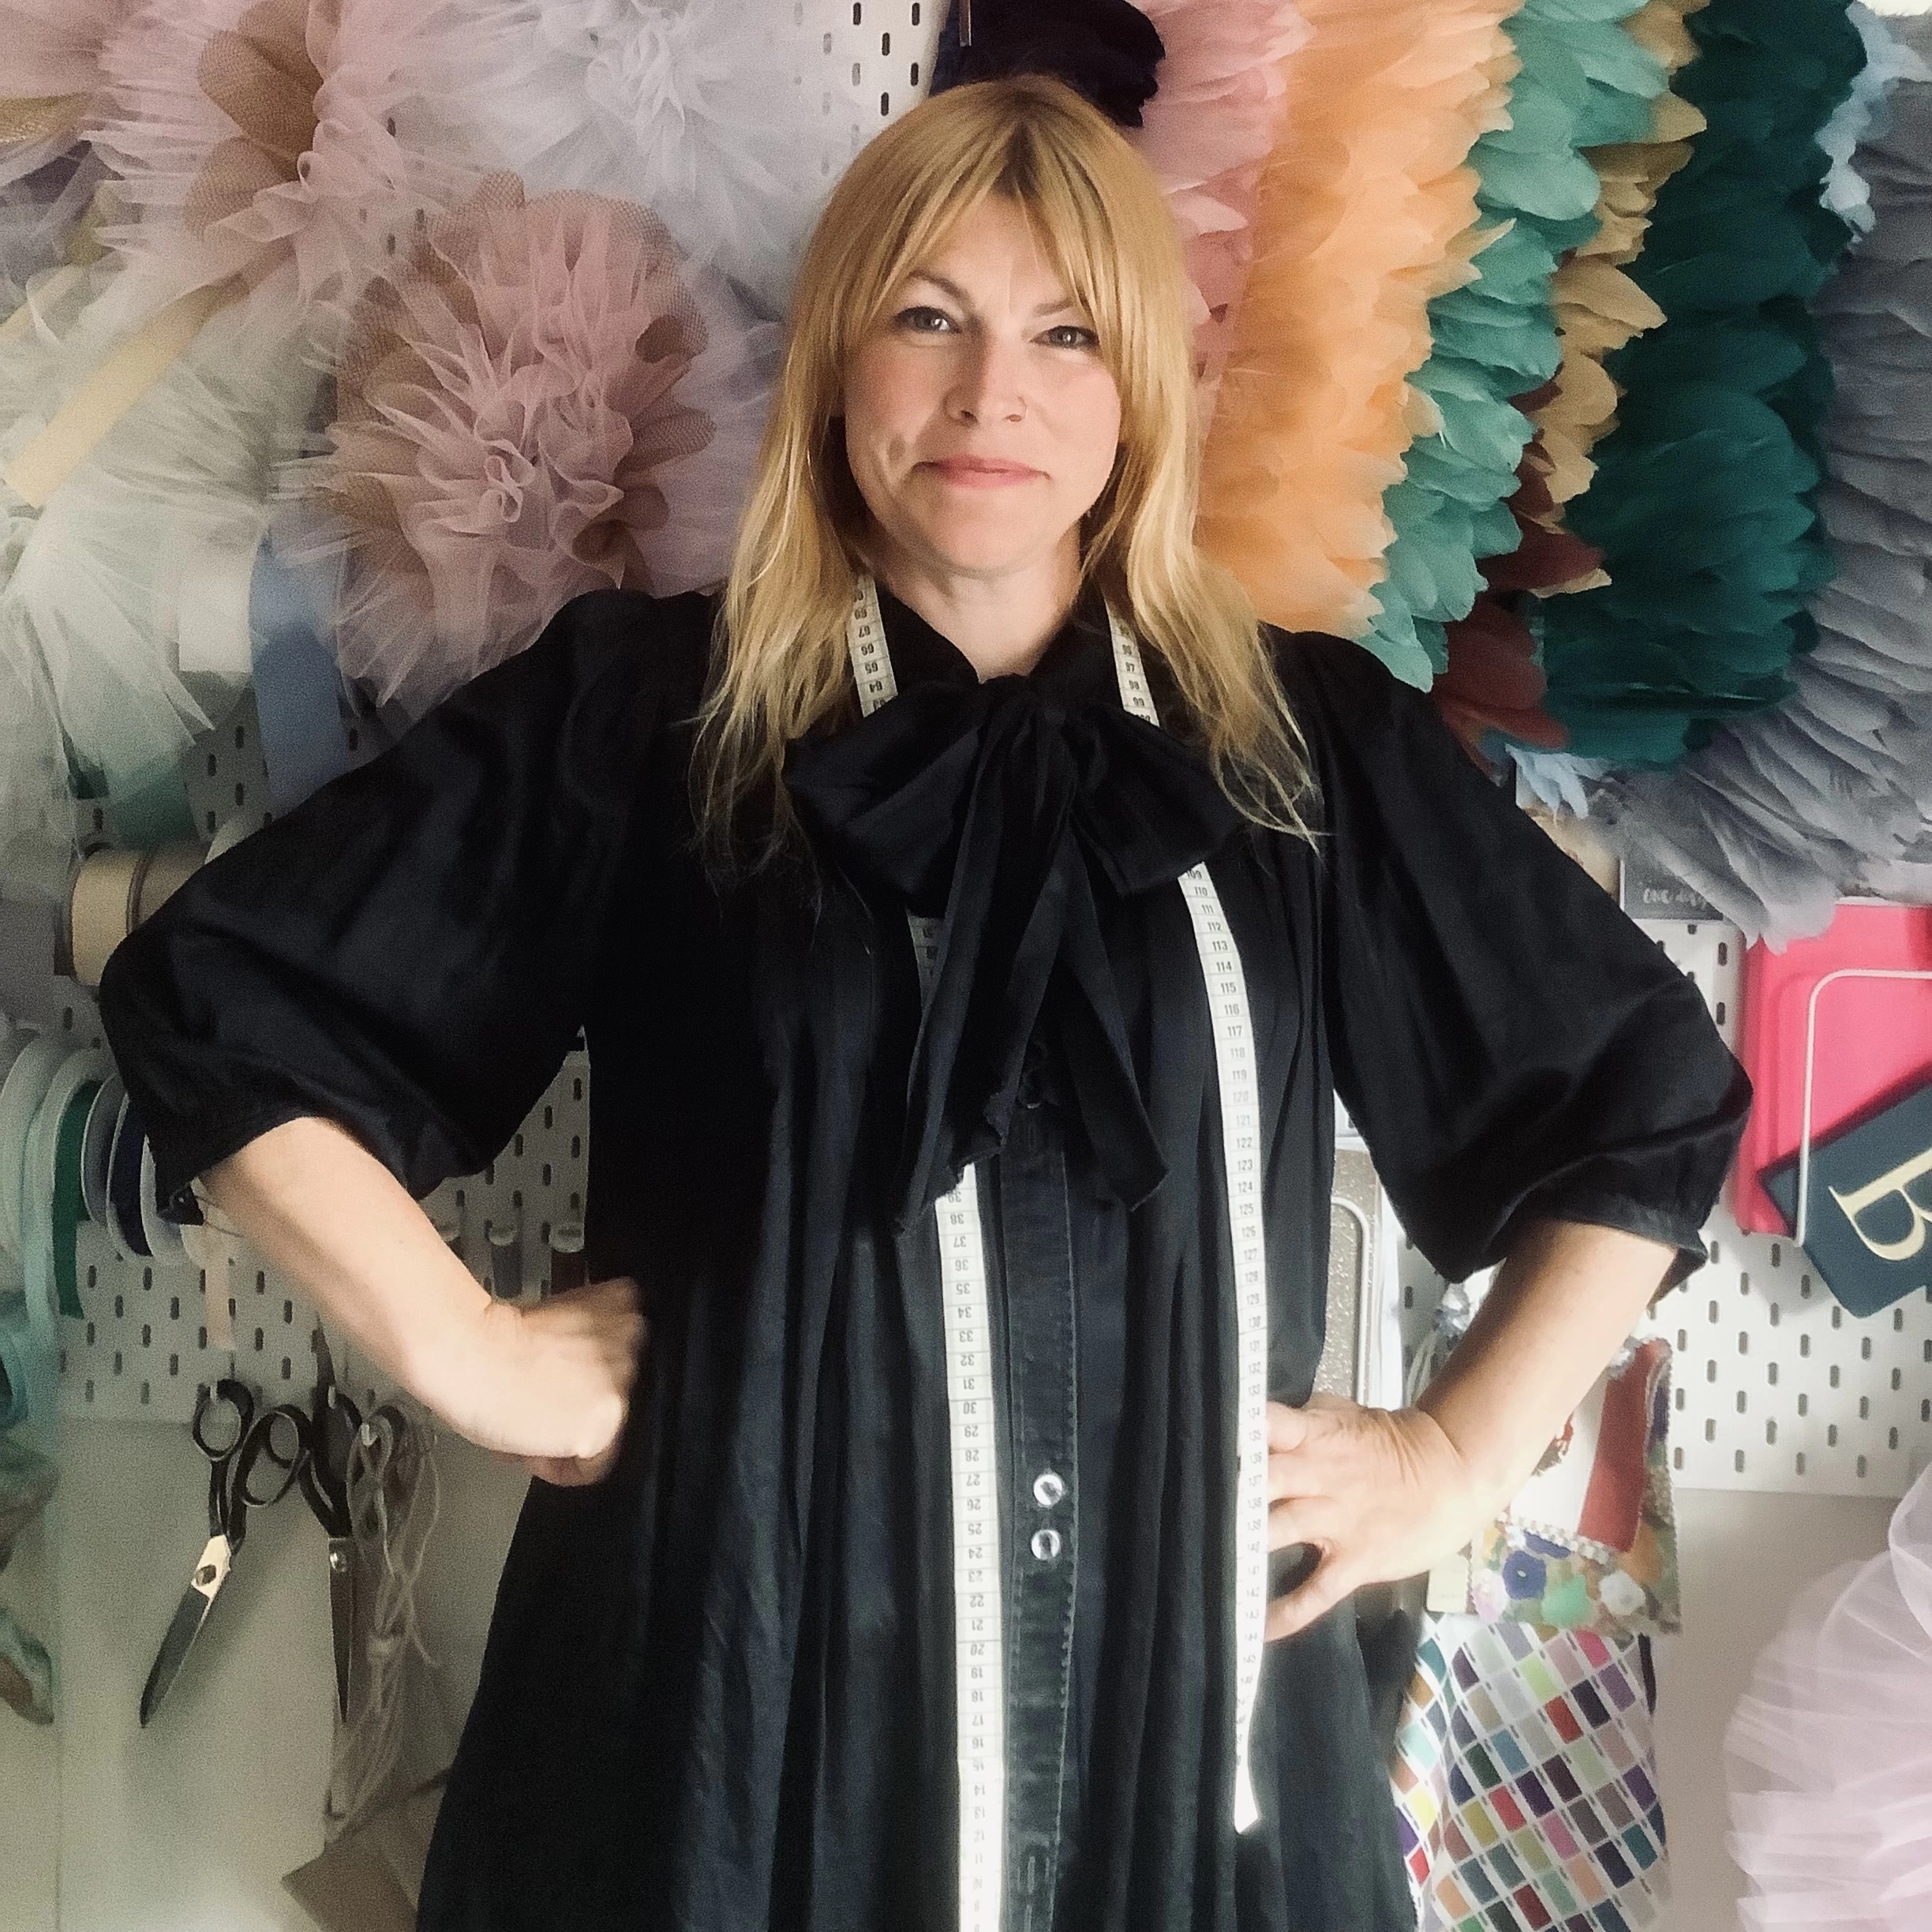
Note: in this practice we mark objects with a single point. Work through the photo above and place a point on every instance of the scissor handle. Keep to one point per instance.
(231, 1401)
(332, 1431)
(280, 1438)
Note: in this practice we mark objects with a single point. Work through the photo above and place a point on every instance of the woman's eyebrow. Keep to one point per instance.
(965, 302)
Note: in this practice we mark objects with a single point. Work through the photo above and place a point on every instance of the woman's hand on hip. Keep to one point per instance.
(1376, 1494)
(555, 1384)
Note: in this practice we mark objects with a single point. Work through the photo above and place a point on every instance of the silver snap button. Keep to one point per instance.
(1047, 1488)
(1046, 1545)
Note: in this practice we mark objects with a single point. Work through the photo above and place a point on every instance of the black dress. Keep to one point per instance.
(718, 1691)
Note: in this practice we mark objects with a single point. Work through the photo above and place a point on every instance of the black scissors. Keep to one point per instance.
(309, 1449)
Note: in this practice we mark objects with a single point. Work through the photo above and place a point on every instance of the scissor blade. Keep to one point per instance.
(190, 1614)
(342, 1615)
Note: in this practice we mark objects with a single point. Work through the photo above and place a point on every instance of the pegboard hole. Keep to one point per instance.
(1677, 1458)
(519, 1146)
(1864, 1408)
(146, 1335)
(1720, 1020)
(1744, 1282)
(1710, 1372)
(1837, 1318)
(1861, 1466)
(1771, 1432)
(1771, 1374)
(1804, 1405)
(1804, 1286)
(1774, 1314)
(1804, 1345)
(173, 1364)
(1831, 1434)
(1723, 952)
(173, 1308)
(1898, 1321)
(1798, 1462)
(119, 1310)
(287, 1368)
(258, 1341)
(1865, 1349)
(1743, 1341)
(1710, 1428)
(546, 1173)
(1778, 1254)
(1892, 1439)
(261, 1282)
(1740, 1402)
(1737, 1460)
(1834, 1375)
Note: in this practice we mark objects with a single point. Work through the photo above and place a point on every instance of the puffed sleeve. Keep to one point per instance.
(1509, 1043)
(409, 951)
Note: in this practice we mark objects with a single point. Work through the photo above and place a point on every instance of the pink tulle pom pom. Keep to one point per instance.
(1206, 133)
(271, 136)
(51, 84)
(523, 414)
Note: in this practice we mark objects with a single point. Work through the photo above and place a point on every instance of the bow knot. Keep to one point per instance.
(997, 806)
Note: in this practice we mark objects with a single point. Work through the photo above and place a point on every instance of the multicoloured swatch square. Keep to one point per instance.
(1525, 1783)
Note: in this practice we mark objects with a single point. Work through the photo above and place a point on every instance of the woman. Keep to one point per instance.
(916, 1580)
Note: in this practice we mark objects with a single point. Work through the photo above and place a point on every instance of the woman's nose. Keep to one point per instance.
(989, 383)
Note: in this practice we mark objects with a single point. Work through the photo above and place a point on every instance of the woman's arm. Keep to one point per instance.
(546, 1385)
(1380, 1495)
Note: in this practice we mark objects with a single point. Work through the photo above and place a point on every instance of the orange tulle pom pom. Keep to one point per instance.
(1365, 213)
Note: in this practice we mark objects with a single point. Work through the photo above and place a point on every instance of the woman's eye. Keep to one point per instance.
(1083, 337)
(920, 320)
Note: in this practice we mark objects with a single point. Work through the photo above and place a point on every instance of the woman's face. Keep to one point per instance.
(981, 423)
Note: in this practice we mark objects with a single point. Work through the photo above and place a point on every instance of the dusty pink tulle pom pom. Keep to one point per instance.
(511, 396)
(282, 135)
(51, 84)
(1206, 133)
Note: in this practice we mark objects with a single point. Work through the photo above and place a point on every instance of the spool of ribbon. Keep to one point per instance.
(26, 1083)
(124, 1218)
(164, 1235)
(111, 891)
(104, 1116)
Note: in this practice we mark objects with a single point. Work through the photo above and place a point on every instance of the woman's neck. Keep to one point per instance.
(1001, 625)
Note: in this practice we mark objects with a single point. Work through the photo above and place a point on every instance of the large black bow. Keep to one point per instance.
(989, 803)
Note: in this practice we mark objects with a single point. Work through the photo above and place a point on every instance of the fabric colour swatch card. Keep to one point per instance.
(1526, 1782)
(1873, 1042)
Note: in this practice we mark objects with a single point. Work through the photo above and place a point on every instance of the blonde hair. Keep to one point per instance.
(1100, 214)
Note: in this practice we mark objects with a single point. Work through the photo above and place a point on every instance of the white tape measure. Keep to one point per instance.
(978, 1572)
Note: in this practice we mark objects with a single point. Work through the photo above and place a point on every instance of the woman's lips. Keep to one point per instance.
(978, 474)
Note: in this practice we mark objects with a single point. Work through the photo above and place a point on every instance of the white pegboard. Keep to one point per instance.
(1775, 1386)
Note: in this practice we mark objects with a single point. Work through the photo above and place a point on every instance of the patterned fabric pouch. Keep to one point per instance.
(1590, 1541)
(1526, 1781)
